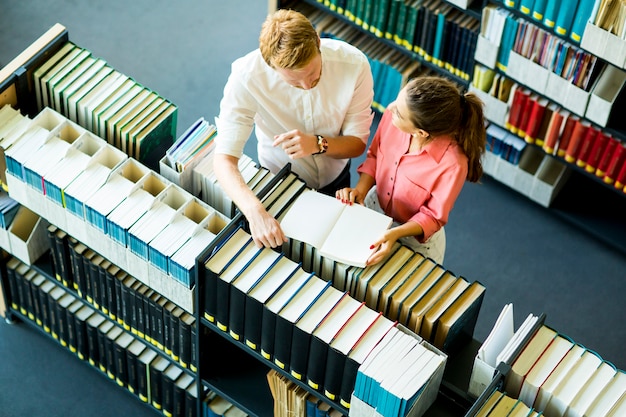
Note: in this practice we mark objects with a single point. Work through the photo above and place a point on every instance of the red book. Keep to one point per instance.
(570, 122)
(537, 120)
(621, 177)
(525, 116)
(593, 159)
(575, 141)
(520, 96)
(606, 157)
(554, 130)
(585, 147)
(615, 164)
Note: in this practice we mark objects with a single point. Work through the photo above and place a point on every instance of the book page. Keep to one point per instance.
(311, 217)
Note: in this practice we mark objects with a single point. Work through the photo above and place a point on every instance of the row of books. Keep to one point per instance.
(545, 370)
(124, 299)
(499, 404)
(133, 211)
(106, 102)
(291, 400)
(132, 363)
(566, 135)
(513, 34)
(565, 17)
(441, 34)
(396, 375)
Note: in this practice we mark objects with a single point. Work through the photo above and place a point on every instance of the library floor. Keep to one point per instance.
(522, 252)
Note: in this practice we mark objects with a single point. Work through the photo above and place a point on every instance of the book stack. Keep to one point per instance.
(132, 363)
(113, 106)
(400, 376)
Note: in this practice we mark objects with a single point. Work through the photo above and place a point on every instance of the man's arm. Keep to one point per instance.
(265, 229)
(297, 144)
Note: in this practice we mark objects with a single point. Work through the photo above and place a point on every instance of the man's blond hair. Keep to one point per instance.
(288, 40)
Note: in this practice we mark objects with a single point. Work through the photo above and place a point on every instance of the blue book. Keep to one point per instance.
(538, 10)
(582, 15)
(526, 6)
(565, 17)
(508, 39)
(550, 13)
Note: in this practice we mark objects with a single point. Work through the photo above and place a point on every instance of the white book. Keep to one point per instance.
(84, 81)
(44, 159)
(127, 213)
(598, 382)
(609, 398)
(90, 108)
(339, 234)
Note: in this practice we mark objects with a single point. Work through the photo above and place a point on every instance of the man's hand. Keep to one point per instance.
(265, 230)
(296, 144)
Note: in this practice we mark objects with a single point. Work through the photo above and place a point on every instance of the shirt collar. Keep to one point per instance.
(437, 148)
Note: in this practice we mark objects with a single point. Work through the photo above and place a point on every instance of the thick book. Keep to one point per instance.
(341, 344)
(323, 335)
(241, 286)
(289, 315)
(304, 327)
(341, 235)
(274, 305)
(224, 283)
(134, 350)
(268, 284)
(219, 260)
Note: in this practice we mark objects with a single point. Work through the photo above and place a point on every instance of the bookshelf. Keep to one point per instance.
(579, 183)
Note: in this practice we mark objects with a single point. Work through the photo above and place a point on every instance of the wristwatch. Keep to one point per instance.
(322, 144)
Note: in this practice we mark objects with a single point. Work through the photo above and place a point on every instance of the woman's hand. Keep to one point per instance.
(350, 195)
(382, 247)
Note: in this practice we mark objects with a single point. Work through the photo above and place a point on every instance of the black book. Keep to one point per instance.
(144, 361)
(78, 270)
(108, 341)
(111, 290)
(322, 336)
(359, 352)
(156, 319)
(93, 323)
(175, 318)
(194, 354)
(52, 230)
(70, 323)
(241, 286)
(134, 350)
(259, 294)
(135, 304)
(120, 357)
(180, 387)
(219, 260)
(274, 305)
(53, 299)
(184, 336)
(119, 314)
(103, 288)
(156, 370)
(168, 379)
(224, 281)
(61, 317)
(127, 307)
(23, 277)
(80, 328)
(143, 298)
(35, 284)
(168, 307)
(44, 291)
(304, 327)
(289, 315)
(13, 295)
(191, 399)
(63, 243)
(86, 278)
(341, 344)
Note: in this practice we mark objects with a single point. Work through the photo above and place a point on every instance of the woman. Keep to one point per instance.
(428, 142)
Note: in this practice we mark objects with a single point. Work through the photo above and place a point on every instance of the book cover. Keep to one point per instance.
(565, 17)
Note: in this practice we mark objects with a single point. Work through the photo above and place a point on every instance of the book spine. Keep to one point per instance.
(585, 147)
(236, 314)
(568, 129)
(253, 317)
(607, 153)
(282, 346)
(615, 164)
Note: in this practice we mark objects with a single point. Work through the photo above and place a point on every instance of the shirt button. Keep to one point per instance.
(391, 178)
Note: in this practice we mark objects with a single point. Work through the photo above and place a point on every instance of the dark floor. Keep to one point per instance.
(520, 251)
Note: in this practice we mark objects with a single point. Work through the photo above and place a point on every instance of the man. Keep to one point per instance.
(309, 100)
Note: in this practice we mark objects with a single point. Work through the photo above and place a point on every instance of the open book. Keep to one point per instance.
(338, 231)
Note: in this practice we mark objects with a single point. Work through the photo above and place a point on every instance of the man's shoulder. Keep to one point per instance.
(341, 50)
